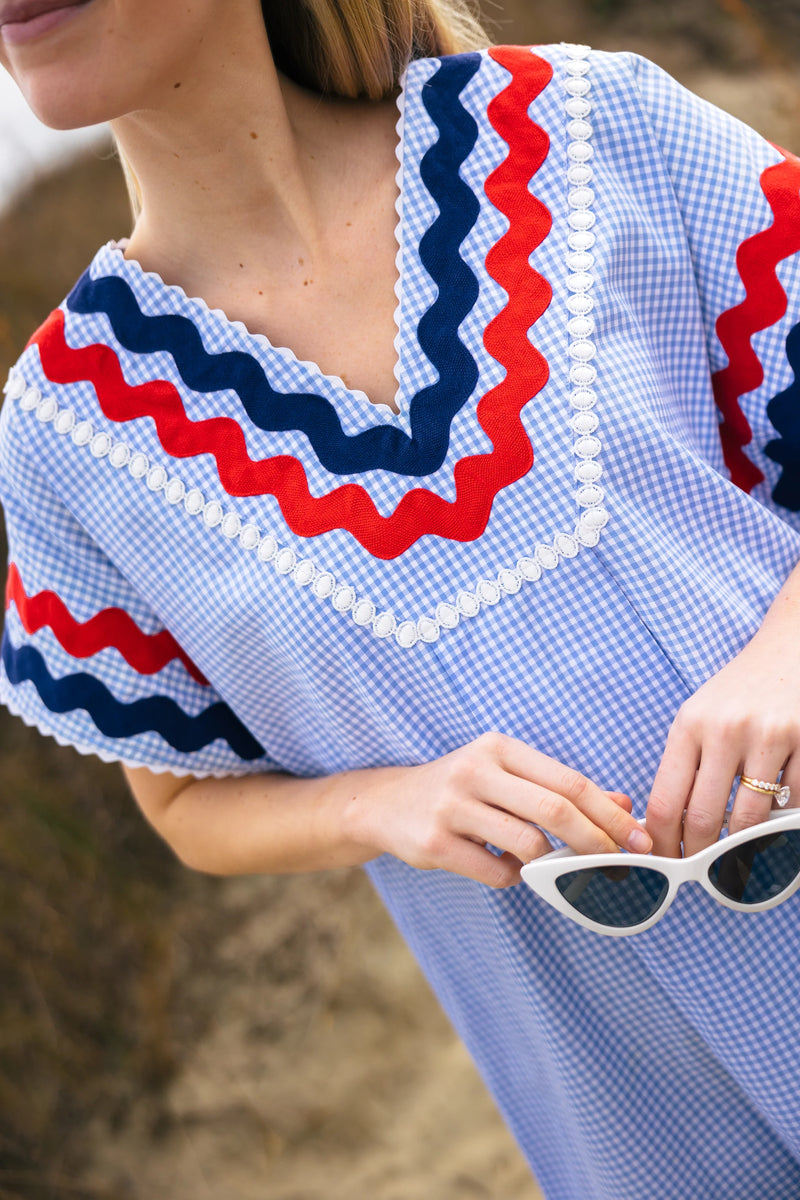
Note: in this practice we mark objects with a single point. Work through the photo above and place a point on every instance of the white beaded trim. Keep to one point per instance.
(284, 560)
(581, 325)
(584, 422)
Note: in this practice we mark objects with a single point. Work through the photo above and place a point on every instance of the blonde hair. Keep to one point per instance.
(355, 48)
(361, 47)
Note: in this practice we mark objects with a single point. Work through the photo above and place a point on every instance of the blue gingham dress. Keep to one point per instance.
(224, 561)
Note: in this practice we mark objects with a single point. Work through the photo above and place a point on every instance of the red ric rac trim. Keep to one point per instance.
(146, 653)
(478, 478)
(529, 293)
(765, 303)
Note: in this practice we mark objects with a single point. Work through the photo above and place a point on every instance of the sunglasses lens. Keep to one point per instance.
(758, 870)
(617, 896)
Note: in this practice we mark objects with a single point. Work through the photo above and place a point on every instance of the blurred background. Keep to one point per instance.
(165, 1034)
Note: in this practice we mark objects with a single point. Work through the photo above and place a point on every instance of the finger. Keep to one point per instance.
(555, 783)
(485, 823)
(515, 864)
(671, 790)
(589, 822)
(464, 857)
(705, 813)
(623, 828)
(751, 807)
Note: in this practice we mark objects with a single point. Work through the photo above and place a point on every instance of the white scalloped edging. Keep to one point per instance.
(288, 355)
(303, 572)
(399, 147)
(8, 699)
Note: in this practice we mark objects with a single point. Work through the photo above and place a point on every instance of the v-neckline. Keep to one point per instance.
(356, 397)
(322, 437)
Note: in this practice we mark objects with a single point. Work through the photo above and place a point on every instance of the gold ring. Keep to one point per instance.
(780, 791)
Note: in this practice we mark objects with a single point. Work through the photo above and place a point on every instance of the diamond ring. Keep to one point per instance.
(780, 791)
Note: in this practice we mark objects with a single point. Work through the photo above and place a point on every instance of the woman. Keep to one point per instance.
(476, 560)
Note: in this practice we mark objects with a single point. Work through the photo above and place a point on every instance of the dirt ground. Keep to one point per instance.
(326, 1070)
(167, 1035)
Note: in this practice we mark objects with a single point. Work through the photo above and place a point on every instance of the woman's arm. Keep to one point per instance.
(744, 720)
(440, 814)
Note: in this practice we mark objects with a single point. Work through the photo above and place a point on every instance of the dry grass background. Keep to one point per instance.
(165, 1034)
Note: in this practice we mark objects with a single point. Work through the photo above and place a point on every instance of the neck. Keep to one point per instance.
(237, 159)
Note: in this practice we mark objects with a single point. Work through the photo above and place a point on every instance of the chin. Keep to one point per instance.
(87, 69)
(62, 104)
(59, 116)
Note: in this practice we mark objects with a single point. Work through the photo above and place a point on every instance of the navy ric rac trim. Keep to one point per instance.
(158, 714)
(784, 413)
(432, 409)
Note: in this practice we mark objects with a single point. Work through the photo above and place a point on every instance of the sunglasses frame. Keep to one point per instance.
(541, 874)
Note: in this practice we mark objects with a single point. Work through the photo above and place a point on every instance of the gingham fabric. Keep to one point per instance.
(586, 503)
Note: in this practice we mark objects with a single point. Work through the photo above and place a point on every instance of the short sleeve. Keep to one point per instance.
(84, 659)
(739, 199)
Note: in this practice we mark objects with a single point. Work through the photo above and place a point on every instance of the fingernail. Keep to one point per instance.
(640, 842)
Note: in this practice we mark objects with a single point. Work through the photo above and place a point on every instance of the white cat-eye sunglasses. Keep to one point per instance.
(620, 894)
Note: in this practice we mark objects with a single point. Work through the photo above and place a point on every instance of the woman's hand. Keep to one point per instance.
(495, 790)
(744, 720)
(439, 814)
